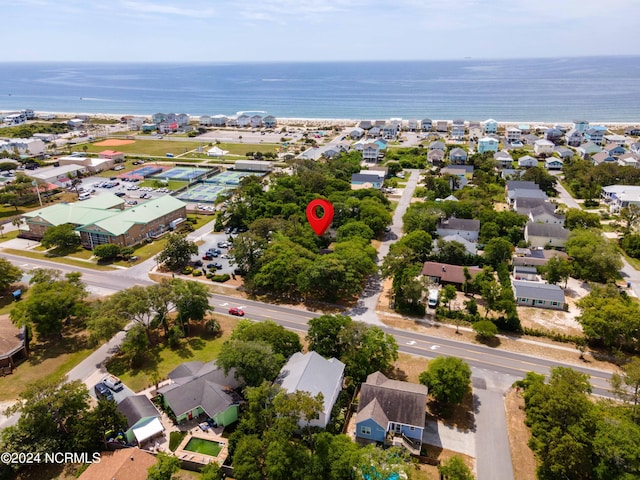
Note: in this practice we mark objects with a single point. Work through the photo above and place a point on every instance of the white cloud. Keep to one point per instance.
(165, 9)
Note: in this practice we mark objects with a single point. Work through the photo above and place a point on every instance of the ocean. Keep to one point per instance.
(604, 89)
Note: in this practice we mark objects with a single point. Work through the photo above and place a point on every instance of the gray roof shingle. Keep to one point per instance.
(538, 291)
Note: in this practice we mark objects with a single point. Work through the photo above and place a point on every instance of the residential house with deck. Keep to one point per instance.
(553, 134)
(546, 213)
(426, 124)
(620, 196)
(503, 159)
(312, 373)
(595, 135)
(587, 149)
(543, 147)
(580, 125)
(564, 153)
(269, 121)
(490, 126)
(614, 138)
(458, 156)
(614, 149)
(442, 126)
(513, 134)
(553, 163)
(527, 161)
(391, 412)
(574, 138)
(487, 144)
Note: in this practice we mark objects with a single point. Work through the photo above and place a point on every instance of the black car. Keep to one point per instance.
(102, 391)
(214, 266)
(119, 194)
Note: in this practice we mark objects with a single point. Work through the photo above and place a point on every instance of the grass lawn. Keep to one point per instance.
(150, 147)
(162, 359)
(9, 235)
(50, 360)
(243, 148)
(171, 184)
(174, 439)
(64, 260)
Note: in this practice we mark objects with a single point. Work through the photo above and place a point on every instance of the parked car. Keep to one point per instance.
(113, 383)
(238, 312)
(119, 194)
(214, 266)
(207, 256)
(197, 263)
(222, 245)
(102, 391)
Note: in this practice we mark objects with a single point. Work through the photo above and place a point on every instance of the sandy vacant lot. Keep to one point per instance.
(112, 142)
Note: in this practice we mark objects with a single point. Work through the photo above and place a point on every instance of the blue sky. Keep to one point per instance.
(308, 30)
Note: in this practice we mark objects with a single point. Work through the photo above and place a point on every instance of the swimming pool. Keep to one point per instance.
(204, 446)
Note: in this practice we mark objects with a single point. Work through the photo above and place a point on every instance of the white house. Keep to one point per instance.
(543, 147)
(487, 144)
(527, 162)
(513, 134)
(312, 373)
(553, 163)
(370, 152)
(465, 228)
(546, 213)
(541, 235)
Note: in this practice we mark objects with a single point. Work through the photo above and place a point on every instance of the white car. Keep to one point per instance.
(113, 383)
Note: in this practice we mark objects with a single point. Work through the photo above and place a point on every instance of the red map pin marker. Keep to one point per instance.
(318, 224)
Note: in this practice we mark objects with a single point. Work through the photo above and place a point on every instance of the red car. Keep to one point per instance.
(236, 311)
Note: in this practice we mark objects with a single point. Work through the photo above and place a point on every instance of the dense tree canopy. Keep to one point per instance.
(177, 251)
(61, 236)
(594, 257)
(448, 379)
(9, 274)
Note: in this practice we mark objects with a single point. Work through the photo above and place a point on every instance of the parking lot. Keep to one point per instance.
(130, 192)
(210, 242)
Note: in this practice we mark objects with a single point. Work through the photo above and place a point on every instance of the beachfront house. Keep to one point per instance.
(219, 120)
(457, 130)
(442, 126)
(475, 130)
(205, 120)
(312, 373)
(615, 138)
(580, 125)
(487, 144)
(412, 125)
(426, 124)
(490, 126)
(513, 134)
(391, 412)
(357, 133)
(537, 294)
(595, 135)
(269, 121)
(255, 121)
(545, 235)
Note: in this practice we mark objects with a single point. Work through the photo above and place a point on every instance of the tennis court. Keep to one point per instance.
(228, 177)
(202, 192)
(142, 172)
(184, 174)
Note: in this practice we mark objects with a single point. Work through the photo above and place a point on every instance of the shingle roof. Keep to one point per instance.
(550, 230)
(448, 273)
(538, 291)
(137, 407)
(392, 400)
(311, 372)
(365, 178)
(522, 185)
(453, 223)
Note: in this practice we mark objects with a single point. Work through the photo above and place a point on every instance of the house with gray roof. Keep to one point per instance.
(514, 195)
(435, 157)
(546, 213)
(470, 247)
(564, 152)
(587, 149)
(527, 161)
(503, 159)
(545, 235)
(524, 205)
(468, 229)
(553, 163)
(426, 124)
(391, 412)
(312, 373)
(437, 145)
(458, 156)
(142, 417)
(366, 180)
(199, 388)
(537, 294)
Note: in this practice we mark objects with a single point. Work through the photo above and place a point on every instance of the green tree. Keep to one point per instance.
(447, 294)
(212, 471)
(393, 462)
(52, 301)
(177, 251)
(323, 334)
(354, 229)
(135, 345)
(497, 251)
(576, 218)
(367, 350)
(544, 179)
(103, 322)
(164, 468)
(630, 216)
(247, 464)
(557, 270)
(448, 379)
(192, 302)
(253, 361)
(61, 236)
(9, 274)
(631, 378)
(107, 251)
(455, 469)
(135, 304)
(48, 412)
(90, 428)
(485, 329)
(594, 258)
(281, 340)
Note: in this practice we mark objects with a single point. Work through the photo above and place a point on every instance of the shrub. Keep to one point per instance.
(187, 270)
(220, 278)
(196, 273)
(485, 329)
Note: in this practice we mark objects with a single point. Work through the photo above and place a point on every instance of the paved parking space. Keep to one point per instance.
(210, 241)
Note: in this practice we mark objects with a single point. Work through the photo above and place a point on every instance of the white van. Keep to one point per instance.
(433, 298)
(84, 196)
